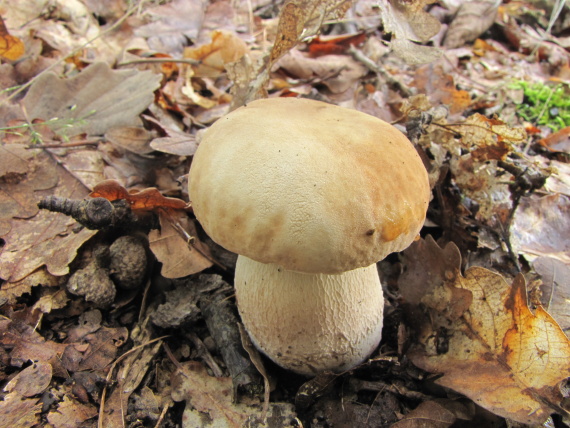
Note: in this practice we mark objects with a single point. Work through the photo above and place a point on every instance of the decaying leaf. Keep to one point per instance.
(189, 258)
(337, 72)
(135, 139)
(92, 102)
(12, 290)
(143, 200)
(130, 373)
(226, 47)
(433, 414)
(440, 88)
(493, 348)
(70, 413)
(176, 142)
(300, 19)
(11, 47)
(541, 227)
(172, 24)
(43, 239)
(409, 23)
(555, 289)
(472, 19)
(211, 400)
(18, 409)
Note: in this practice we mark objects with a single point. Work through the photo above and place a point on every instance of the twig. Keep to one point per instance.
(110, 374)
(358, 55)
(64, 145)
(159, 61)
(205, 354)
(162, 415)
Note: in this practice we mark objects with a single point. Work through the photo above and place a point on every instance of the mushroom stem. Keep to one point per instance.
(310, 322)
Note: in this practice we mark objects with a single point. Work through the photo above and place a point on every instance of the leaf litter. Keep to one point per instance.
(129, 87)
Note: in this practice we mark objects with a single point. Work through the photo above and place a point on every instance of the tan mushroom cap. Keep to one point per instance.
(307, 185)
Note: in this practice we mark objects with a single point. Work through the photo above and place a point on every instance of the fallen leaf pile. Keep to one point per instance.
(116, 309)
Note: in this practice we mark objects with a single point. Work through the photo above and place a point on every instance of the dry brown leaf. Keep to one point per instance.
(135, 139)
(209, 395)
(409, 23)
(130, 373)
(172, 25)
(71, 413)
(300, 19)
(226, 47)
(28, 345)
(541, 227)
(482, 183)
(12, 290)
(426, 256)
(472, 19)
(46, 238)
(14, 159)
(101, 350)
(495, 351)
(176, 142)
(209, 401)
(428, 414)
(178, 257)
(33, 380)
(337, 72)
(489, 138)
(557, 141)
(16, 409)
(50, 302)
(93, 101)
(440, 88)
(555, 289)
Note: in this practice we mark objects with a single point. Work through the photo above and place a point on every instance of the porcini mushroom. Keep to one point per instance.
(311, 196)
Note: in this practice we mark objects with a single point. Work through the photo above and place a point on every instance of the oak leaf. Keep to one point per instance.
(495, 350)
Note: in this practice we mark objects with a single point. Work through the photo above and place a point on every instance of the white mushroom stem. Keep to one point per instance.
(310, 322)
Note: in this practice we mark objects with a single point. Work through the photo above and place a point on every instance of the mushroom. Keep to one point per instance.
(311, 196)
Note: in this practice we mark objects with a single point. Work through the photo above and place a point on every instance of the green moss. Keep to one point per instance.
(544, 104)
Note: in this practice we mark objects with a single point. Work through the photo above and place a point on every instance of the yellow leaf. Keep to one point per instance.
(497, 352)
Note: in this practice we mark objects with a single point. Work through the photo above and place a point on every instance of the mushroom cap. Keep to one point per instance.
(307, 185)
(315, 322)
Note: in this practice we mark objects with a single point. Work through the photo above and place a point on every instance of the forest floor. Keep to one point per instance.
(117, 310)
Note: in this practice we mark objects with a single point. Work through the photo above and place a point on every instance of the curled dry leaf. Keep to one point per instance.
(143, 200)
(300, 19)
(492, 347)
(11, 47)
(179, 258)
(225, 47)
